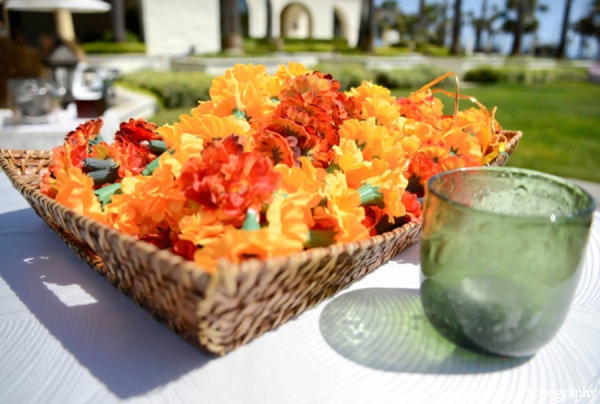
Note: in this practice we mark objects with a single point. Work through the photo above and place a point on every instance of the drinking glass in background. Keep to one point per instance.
(501, 256)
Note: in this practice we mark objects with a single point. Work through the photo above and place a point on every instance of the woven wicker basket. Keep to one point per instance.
(236, 304)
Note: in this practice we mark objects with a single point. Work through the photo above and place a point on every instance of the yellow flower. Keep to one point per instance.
(245, 91)
(290, 217)
(183, 147)
(343, 211)
(285, 72)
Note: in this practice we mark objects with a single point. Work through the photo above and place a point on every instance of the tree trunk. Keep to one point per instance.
(480, 27)
(118, 20)
(563, 33)
(421, 23)
(519, 29)
(366, 32)
(582, 46)
(456, 26)
(269, 10)
(231, 26)
(443, 26)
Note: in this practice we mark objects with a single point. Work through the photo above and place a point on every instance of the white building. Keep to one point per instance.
(175, 27)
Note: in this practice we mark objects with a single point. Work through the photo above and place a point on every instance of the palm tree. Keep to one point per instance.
(589, 26)
(563, 33)
(519, 28)
(585, 28)
(421, 33)
(441, 28)
(118, 20)
(456, 27)
(366, 31)
(524, 22)
(231, 26)
(479, 24)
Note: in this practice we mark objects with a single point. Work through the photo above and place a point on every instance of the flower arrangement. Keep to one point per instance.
(270, 165)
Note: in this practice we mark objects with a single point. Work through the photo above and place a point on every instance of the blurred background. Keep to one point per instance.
(65, 61)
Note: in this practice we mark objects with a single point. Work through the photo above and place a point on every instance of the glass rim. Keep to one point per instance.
(515, 170)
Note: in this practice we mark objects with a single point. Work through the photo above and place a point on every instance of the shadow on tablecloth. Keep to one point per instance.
(105, 331)
(386, 329)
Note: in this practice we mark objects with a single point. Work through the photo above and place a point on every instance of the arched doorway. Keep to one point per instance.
(340, 24)
(295, 21)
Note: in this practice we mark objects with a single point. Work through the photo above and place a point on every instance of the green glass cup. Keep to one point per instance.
(501, 256)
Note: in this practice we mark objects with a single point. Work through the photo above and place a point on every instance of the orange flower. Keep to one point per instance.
(201, 228)
(236, 245)
(147, 204)
(304, 180)
(285, 233)
(289, 217)
(308, 116)
(276, 147)
(75, 190)
(210, 127)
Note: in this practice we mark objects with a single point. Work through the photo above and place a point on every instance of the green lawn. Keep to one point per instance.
(560, 124)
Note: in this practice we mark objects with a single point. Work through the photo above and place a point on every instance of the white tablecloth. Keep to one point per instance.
(67, 335)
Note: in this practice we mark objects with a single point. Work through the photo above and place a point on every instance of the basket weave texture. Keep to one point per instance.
(237, 303)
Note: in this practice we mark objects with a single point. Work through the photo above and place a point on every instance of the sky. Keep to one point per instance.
(550, 21)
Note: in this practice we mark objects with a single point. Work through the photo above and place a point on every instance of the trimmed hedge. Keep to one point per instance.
(525, 75)
(113, 47)
(413, 78)
(173, 89)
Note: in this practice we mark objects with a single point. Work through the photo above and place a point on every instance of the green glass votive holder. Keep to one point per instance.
(501, 256)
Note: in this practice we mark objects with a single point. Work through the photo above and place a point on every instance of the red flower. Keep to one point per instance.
(412, 205)
(85, 132)
(373, 216)
(136, 130)
(184, 248)
(228, 184)
(131, 157)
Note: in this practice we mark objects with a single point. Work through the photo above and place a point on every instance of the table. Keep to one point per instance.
(67, 335)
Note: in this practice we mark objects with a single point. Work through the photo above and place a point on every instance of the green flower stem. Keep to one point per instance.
(320, 238)
(104, 176)
(92, 164)
(370, 195)
(158, 147)
(94, 142)
(106, 193)
(151, 167)
(251, 223)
